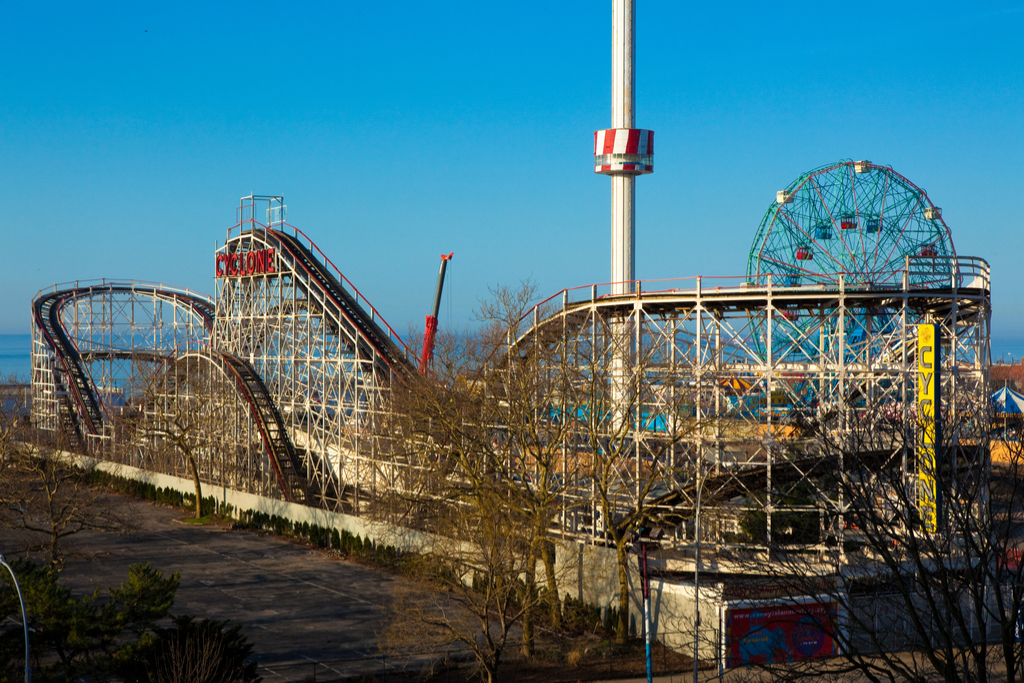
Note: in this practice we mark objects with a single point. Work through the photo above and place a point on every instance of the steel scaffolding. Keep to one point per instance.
(325, 354)
(87, 338)
(752, 366)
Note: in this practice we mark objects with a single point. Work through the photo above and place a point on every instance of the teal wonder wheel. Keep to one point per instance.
(853, 218)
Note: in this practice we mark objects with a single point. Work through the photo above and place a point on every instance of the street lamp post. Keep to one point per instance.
(696, 573)
(647, 607)
(696, 583)
(647, 536)
(24, 619)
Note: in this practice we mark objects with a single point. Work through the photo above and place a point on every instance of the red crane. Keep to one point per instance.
(428, 334)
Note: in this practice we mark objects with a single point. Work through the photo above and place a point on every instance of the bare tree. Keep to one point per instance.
(189, 661)
(478, 557)
(201, 651)
(179, 406)
(14, 407)
(544, 417)
(631, 411)
(483, 443)
(910, 600)
(522, 404)
(480, 545)
(45, 496)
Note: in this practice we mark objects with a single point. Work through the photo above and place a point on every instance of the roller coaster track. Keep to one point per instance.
(279, 448)
(283, 456)
(46, 310)
(373, 341)
(88, 418)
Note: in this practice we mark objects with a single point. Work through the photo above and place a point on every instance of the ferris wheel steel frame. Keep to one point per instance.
(857, 219)
(851, 217)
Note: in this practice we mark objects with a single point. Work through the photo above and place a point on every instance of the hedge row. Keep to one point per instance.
(578, 615)
(147, 491)
(322, 537)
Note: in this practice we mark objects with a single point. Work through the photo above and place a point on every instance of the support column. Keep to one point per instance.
(623, 235)
(623, 113)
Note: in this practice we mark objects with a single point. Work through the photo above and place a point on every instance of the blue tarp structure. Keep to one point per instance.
(1007, 400)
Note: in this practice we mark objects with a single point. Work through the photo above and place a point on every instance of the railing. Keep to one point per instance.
(364, 303)
(85, 287)
(97, 283)
(932, 272)
(955, 272)
(375, 316)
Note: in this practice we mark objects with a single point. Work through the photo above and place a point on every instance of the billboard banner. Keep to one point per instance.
(929, 362)
(773, 634)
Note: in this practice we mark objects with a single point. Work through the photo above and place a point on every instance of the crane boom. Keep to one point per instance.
(431, 330)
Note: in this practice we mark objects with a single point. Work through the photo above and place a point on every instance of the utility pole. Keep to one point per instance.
(642, 540)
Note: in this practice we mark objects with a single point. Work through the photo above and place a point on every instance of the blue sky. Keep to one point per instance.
(398, 131)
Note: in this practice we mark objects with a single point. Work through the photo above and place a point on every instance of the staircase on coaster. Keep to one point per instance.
(69, 423)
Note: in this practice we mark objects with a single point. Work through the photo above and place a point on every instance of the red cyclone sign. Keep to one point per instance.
(236, 264)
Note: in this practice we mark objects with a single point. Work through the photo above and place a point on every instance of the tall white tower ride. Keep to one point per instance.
(622, 151)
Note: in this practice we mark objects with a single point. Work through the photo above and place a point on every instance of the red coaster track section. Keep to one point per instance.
(282, 454)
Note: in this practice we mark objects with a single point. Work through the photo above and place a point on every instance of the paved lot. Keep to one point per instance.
(297, 606)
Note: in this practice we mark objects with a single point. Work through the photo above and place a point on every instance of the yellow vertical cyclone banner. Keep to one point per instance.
(928, 421)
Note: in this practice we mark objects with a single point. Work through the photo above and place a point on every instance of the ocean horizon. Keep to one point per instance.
(15, 356)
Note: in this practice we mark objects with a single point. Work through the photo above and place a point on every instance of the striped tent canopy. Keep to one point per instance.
(1007, 400)
(737, 384)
